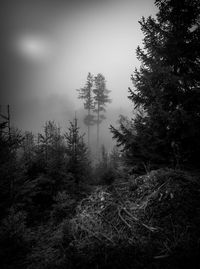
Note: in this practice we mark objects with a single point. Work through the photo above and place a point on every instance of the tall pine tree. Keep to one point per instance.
(101, 98)
(167, 88)
(85, 93)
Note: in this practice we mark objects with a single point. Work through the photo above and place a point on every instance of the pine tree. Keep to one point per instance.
(48, 165)
(77, 152)
(101, 98)
(104, 157)
(167, 87)
(10, 169)
(85, 93)
(51, 141)
(115, 157)
(28, 146)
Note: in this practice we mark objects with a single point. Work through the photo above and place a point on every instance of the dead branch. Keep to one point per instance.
(152, 229)
(124, 221)
(161, 256)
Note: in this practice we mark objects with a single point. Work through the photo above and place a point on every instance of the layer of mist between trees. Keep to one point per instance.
(62, 205)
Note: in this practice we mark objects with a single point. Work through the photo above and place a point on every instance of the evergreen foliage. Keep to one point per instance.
(101, 98)
(77, 152)
(167, 88)
(86, 94)
(10, 169)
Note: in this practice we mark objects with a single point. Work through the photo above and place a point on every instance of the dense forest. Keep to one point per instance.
(64, 204)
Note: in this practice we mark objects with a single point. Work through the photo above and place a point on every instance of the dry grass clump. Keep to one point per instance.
(159, 211)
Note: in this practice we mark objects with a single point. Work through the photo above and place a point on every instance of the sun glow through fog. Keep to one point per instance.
(33, 47)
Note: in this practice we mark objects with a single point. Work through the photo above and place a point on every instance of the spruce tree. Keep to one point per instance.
(85, 93)
(77, 152)
(50, 142)
(101, 98)
(28, 146)
(167, 88)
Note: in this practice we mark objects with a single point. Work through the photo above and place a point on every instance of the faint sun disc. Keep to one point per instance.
(33, 47)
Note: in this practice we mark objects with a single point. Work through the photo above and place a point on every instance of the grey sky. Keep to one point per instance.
(48, 47)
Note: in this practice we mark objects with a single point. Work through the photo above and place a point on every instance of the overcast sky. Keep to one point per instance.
(49, 46)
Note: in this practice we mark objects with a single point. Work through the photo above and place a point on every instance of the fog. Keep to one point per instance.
(48, 47)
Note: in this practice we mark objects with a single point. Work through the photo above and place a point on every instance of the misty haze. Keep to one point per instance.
(99, 134)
